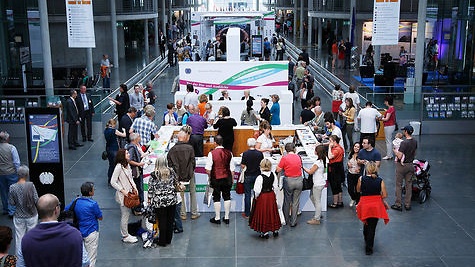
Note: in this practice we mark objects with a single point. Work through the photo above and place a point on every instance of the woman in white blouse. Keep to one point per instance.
(319, 181)
(265, 142)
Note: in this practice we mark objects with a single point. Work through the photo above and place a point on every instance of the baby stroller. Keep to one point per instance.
(421, 188)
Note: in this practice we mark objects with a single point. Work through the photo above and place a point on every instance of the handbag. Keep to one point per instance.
(239, 188)
(69, 216)
(208, 195)
(307, 182)
(104, 155)
(131, 200)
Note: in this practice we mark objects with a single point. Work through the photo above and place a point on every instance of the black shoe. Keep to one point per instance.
(369, 251)
(212, 220)
(79, 145)
(266, 235)
(333, 206)
(72, 148)
(176, 231)
(396, 207)
(90, 140)
(340, 205)
(84, 139)
(408, 208)
(276, 233)
(226, 221)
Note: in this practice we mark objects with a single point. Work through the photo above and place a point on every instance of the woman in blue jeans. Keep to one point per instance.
(250, 160)
(112, 145)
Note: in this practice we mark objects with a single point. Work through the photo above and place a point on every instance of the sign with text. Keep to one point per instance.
(80, 24)
(386, 22)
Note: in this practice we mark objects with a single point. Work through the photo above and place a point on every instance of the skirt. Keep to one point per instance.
(264, 215)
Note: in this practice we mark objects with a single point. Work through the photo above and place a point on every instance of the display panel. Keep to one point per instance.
(44, 142)
(257, 45)
(449, 107)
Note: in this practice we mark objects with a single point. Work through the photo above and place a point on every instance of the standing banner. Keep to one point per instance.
(45, 150)
(80, 24)
(386, 22)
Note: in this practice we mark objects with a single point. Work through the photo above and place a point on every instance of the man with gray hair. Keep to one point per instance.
(250, 165)
(9, 164)
(145, 126)
(136, 99)
(52, 243)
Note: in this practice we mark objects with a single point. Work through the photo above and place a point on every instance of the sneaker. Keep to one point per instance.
(195, 216)
(130, 239)
(183, 217)
(313, 221)
(352, 203)
(387, 158)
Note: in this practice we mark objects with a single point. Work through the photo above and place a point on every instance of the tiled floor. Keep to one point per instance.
(440, 232)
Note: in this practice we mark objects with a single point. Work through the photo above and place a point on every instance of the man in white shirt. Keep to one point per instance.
(191, 97)
(353, 95)
(330, 124)
(368, 118)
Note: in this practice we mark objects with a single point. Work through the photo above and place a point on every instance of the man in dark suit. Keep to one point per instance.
(73, 120)
(86, 111)
(125, 123)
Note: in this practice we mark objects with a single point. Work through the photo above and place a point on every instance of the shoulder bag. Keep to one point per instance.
(131, 200)
(307, 182)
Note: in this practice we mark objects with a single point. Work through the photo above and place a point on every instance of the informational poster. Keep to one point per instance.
(386, 22)
(257, 46)
(80, 20)
(44, 138)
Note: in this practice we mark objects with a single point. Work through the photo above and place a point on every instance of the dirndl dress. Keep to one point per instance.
(264, 215)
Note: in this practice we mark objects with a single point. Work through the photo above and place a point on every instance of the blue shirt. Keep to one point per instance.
(87, 213)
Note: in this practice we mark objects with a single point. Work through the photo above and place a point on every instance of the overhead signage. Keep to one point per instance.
(386, 22)
(80, 23)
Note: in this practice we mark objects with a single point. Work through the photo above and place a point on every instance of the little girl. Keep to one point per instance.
(396, 144)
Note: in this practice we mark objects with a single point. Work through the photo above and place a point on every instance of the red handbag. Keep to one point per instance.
(239, 188)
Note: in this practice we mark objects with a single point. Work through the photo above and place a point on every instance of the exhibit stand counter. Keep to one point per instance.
(299, 133)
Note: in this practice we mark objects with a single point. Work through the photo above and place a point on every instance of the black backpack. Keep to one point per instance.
(69, 216)
(274, 40)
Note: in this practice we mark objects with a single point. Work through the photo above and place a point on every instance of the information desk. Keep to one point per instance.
(167, 140)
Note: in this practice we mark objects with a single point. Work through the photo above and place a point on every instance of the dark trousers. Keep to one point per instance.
(196, 141)
(177, 219)
(106, 82)
(248, 185)
(72, 134)
(139, 183)
(86, 125)
(111, 157)
(369, 230)
(221, 187)
(166, 217)
(352, 180)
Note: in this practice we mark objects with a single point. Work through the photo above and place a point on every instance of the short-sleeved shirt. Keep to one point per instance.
(408, 148)
(145, 128)
(252, 159)
(368, 120)
(307, 115)
(372, 155)
(319, 178)
(87, 212)
(292, 165)
(392, 117)
(265, 143)
(338, 153)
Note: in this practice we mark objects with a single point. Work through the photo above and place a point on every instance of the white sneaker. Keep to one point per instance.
(352, 203)
(130, 239)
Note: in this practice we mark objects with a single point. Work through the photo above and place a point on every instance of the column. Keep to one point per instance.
(155, 29)
(46, 49)
(163, 17)
(377, 57)
(89, 64)
(419, 64)
(302, 6)
(147, 45)
(320, 44)
(310, 20)
(351, 36)
(294, 25)
(115, 45)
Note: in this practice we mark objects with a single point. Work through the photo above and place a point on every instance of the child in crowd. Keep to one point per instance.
(396, 144)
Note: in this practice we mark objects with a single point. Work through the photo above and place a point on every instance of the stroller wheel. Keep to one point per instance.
(422, 196)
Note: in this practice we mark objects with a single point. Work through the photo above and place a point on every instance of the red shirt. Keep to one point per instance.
(338, 154)
(392, 117)
(292, 165)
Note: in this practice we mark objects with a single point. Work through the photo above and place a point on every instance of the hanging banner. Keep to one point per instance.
(80, 24)
(386, 22)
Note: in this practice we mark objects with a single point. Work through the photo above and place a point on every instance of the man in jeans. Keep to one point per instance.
(9, 164)
(405, 170)
(88, 213)
(251, 160)
(181, 158)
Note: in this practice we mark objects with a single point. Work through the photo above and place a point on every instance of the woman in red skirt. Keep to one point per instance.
(264, 216)
(372, 205)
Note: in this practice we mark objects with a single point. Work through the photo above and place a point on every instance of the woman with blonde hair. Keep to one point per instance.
(264, 216)
(112, 144)
(122, 181)
(162, 198)
(372, 205)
